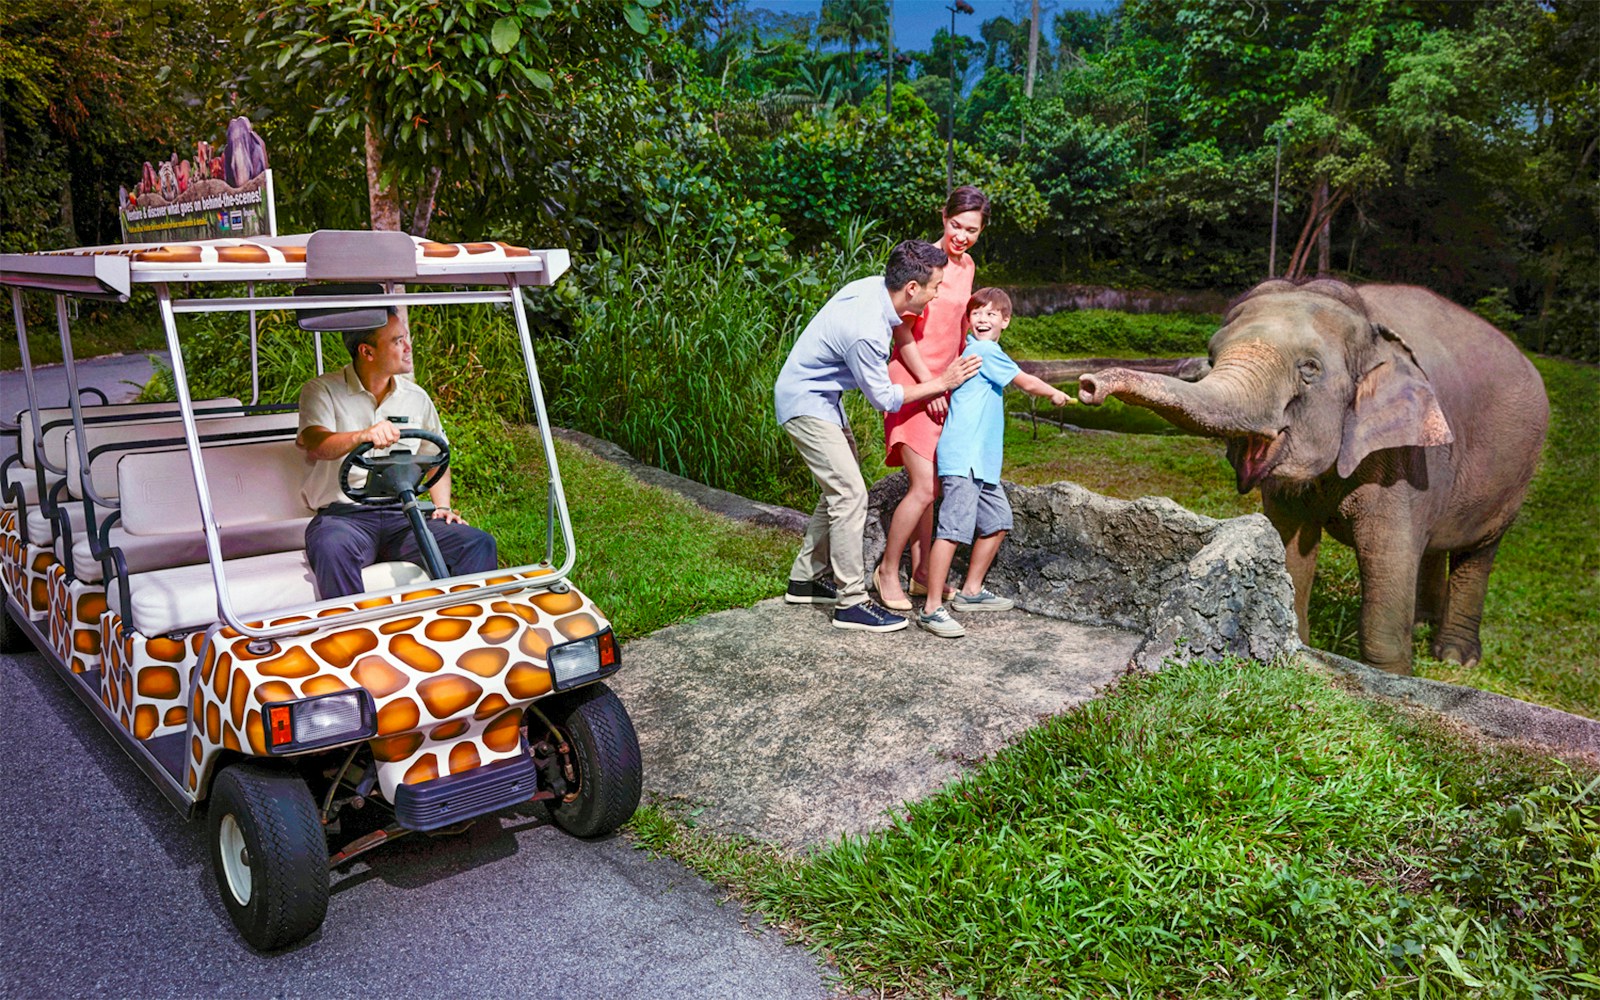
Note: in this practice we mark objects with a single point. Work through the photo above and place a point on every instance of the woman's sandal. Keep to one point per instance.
(919, 589)
(891, 605)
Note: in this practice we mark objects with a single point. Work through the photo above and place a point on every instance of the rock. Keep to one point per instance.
(1193, 585)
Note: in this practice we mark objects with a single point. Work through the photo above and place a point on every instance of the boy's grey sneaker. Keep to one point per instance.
(941, 624)
(867, 617)
(983, 600)
(810, 592)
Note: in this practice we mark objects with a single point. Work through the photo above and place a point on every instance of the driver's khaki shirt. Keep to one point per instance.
(339, 402)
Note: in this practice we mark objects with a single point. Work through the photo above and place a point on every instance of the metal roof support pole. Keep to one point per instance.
(33, 390)
(255, 356)
(208, 520)
(79, 438)
(557, 495)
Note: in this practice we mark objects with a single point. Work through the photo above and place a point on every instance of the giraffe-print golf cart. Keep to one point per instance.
(154, 554)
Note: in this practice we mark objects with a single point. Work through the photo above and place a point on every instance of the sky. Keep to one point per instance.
(915, 21)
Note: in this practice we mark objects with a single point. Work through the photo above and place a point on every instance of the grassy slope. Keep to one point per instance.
(1215, 830)
(1541, 629)
(648, 558)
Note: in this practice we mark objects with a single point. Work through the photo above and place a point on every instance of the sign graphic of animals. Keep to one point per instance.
(221, 191)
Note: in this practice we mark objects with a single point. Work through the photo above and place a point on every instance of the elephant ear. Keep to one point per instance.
(1393, 407)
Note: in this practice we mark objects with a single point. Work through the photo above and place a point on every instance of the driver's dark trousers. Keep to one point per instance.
(344, 538)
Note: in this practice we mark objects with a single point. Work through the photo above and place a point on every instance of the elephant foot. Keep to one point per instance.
(1399, 668)
(1456, 651)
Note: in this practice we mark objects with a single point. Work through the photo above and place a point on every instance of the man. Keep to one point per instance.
(342, 410)
(846, 346)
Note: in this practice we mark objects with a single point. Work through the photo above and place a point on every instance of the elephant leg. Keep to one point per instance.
(1431, 582)
(1456, 638)
(1389, 562)
(1300, 546)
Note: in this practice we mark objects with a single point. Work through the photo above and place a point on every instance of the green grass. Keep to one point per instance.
(1218, 830)
(1101, 333)
(647, 557)
(1541, 630)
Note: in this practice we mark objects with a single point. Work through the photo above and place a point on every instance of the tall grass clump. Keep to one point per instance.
(673, 347)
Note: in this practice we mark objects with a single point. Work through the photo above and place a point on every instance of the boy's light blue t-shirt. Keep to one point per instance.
(974, 437)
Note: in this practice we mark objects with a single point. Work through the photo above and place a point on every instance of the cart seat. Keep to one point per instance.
(143, 553)
(185, 597)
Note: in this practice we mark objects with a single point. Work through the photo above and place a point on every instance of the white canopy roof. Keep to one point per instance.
(328, 254)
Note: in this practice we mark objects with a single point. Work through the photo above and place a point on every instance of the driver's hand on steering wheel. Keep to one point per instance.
(382, 434)
(449, 515)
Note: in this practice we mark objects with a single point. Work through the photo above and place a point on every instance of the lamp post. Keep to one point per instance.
(1277, 171)
(962, 7)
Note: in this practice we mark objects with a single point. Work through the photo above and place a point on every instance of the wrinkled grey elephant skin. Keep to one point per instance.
(1389, 418)
(1191, 585)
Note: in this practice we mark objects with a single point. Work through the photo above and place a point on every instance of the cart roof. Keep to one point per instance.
(328, 254)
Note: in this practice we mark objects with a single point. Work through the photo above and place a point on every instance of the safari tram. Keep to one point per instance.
(153, 553)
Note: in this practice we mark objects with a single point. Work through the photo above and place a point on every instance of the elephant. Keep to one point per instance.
(1393, 419)
(244, 155)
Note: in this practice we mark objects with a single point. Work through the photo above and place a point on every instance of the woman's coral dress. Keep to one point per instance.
(939, 335)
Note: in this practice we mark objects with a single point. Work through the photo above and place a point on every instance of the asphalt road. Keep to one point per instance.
(107, 892)
(120, 377)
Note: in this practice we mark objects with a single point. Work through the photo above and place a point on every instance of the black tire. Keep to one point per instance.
(605, 752)
(12, 638)
(282, 872)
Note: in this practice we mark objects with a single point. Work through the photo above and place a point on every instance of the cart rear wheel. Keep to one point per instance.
(605, 754)
(269, 854)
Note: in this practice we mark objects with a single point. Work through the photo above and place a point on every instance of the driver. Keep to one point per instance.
(372, 399)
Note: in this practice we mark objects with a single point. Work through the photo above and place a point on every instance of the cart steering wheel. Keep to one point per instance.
(391, 477)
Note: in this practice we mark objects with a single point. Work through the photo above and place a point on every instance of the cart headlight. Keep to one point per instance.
(322, 721)
(584, 660)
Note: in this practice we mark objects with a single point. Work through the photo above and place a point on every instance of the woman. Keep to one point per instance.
(923, 348)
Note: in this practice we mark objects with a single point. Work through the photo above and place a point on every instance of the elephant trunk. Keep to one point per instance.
(1242, 399)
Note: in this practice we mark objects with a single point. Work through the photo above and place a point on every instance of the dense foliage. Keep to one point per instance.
(1450, 145)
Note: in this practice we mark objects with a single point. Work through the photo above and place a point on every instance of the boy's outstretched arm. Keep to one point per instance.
(1035, 386)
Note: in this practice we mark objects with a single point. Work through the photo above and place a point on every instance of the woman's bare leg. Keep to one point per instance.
(905, 521)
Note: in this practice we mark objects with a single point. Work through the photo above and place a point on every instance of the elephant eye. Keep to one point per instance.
(1310, 370)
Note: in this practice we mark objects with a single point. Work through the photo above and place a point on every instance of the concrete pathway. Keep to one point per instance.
(776, 725)
(120, 376)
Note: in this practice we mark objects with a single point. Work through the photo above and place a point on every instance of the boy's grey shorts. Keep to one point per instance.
(971, 508)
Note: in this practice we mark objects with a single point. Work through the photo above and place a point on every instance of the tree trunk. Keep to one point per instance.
(68, 222)
(1033, 49)
(424, 211)
(888, 65)
(384, 201)
(1324, 235)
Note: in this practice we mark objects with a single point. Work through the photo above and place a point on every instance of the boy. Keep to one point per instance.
(975, 508)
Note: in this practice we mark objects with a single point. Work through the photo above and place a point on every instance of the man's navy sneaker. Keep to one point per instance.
(867, 617)
(810, 592)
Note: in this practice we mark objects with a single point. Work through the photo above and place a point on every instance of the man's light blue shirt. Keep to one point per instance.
(845, 346)
(974, 437)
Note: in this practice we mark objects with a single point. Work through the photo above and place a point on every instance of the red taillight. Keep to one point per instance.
(608, 649)
(279, 725)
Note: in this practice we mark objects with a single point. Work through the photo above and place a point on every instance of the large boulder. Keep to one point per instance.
(1193, 585)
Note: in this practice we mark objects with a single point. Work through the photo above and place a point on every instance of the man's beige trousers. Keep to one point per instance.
(834, 535)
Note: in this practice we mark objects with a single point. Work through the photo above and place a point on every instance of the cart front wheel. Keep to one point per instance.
(269, 854)
(604, 751)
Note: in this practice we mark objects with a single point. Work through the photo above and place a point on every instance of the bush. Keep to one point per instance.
(673, 347)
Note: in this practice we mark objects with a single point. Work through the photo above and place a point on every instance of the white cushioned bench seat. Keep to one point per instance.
(54, 439)
(185, 598)
(143, 553)
(108, 443)
(42, 530)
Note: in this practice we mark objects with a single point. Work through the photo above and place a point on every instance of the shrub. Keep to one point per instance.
(1101, 333)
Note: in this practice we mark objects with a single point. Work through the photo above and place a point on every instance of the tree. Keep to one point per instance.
(439, 92)
(853, 22)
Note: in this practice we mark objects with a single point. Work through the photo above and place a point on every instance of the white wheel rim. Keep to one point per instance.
(235, 859)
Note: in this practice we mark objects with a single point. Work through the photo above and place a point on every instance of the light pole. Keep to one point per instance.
(961, 6)
(1277, 171)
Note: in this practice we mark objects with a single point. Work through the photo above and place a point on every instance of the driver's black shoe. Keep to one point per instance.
(810, 592)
